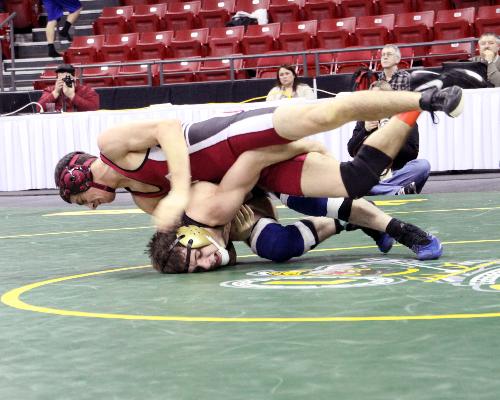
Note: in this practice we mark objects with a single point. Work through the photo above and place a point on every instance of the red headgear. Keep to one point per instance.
(77, 178)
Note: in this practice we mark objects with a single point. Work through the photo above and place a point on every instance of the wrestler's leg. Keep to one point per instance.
(297, 121)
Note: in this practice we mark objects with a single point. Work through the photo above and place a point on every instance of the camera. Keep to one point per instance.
(68, 80)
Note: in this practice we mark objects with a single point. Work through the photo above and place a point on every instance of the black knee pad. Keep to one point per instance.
(345, 208)
(363, 172)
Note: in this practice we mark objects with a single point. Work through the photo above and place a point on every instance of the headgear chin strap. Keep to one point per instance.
(194, 237)
(77, 178)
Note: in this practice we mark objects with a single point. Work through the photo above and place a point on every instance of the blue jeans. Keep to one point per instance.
(413, 171)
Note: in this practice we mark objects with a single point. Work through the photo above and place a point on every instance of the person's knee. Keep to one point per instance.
(423, 167)
(280, 243)
(363, 172)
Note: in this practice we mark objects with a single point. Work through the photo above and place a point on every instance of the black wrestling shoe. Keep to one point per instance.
(421, 80)
(449, 100)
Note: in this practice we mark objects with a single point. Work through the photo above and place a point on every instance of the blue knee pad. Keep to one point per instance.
(337, 207)
(279, 243)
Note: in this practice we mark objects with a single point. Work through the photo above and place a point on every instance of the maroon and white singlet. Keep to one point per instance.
(214, 145)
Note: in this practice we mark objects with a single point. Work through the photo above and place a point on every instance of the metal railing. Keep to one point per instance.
(10, 21)
(301, 56)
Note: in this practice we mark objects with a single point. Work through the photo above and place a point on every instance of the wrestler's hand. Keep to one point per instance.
(242, 223)
(371, 125)
(167, 214)
(488, 55)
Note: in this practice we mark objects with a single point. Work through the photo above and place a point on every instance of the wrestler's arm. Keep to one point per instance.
(119, 142)
(223, 203)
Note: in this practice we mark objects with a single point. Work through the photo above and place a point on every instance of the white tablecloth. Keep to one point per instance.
(31, 145)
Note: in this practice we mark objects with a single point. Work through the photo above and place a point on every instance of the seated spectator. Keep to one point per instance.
(389, 59)
(489, 43)
(288, 86)
(408, 174)
(67, 94)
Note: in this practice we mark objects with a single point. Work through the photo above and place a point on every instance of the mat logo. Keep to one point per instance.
(481, 275)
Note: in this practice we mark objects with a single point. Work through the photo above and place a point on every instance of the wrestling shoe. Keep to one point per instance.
(384, 243)
(411, 188)
(421, 80)
(449, 100)
(430, 251)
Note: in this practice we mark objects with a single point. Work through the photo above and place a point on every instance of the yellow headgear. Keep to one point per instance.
(199, 236)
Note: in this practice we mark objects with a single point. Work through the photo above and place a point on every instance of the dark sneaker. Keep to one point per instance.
(430, 251)
(421, 80)
(449, 100)
(384, 243)
(53, 53)
(411, 188)
(65, 35)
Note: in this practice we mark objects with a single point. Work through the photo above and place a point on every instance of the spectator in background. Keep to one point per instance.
(489, 44)
(67, 94)
(389, 59)
(55, 9)
(288, 86)
(408, 174)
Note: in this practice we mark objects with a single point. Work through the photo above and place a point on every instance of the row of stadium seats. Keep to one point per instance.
(265, 67)
(288, 36)
(191, 15)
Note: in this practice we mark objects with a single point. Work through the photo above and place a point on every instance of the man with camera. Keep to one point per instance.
(67, 94)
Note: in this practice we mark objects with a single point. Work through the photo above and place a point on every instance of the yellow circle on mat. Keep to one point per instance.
(12, 299)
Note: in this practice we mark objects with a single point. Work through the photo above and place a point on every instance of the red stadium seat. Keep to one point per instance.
(413, 28)
(428, 5)
(215, 13)
(320, 9)
(325, 64)
(225, 41)
(251, 5)
(189, 43)
(488, 20)
(180, 72)
(147, 18)
(103, 76)
(259, 39)
(336, 33)
(47, 78)
(119, 47)
(298, 35)
(285, 10)
(136, 75)
(182, 15)
(470, 3)
(113, 20)
(84, 50)
(153, 45)
(268, 67)
(453, 24)
(351, 61)
(374, 30)
(395, 6)
(448, 52)
(219, 70)
(356, 8)
(4, 33)
(407, 55)
(133, 2)
(27, 12)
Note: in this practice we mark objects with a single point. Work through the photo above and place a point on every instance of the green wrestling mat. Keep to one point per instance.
(84, 317)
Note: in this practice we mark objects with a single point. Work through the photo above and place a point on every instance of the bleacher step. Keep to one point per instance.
(37, 49)
(78, 30)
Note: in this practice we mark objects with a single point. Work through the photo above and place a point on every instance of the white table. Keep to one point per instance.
(31, 145)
